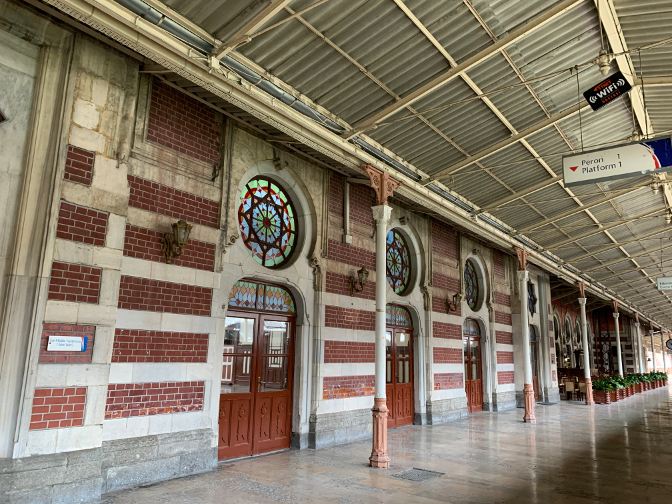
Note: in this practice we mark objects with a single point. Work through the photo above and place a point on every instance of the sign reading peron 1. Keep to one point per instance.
(622, 161)
(664, 283)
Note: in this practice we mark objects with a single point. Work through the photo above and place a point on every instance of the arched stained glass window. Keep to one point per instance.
(471, 328)
(267, 220)
(471, 286)
(254, 296)
(398, 262)
(397, 316)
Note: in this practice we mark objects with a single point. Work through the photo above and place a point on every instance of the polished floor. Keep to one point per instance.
(620, 453)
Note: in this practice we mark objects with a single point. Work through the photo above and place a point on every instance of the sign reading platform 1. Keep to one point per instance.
(622, 161)
(664, 283)
(67, 343)
(607, 91)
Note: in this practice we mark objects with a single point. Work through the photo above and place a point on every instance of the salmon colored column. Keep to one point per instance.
(384, 187)
(586, 351)
(528, 388)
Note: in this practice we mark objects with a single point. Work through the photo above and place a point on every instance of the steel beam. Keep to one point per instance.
(606, 265)
(615, 246)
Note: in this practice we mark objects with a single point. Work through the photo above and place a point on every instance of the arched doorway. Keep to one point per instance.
(399, 366)
(473, 382)
(534, 361)
(256, 388)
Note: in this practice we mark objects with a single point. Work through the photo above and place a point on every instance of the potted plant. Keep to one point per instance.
(602, 390)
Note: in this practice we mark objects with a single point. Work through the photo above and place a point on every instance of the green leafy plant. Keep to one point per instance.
(604, 385)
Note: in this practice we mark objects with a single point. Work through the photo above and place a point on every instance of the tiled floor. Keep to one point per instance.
(620, 453)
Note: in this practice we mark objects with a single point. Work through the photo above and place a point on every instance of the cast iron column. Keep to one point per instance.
(640, 348)
(662, 349)
(528, 388)
(653, 349)
(586, 353)
(618, 345)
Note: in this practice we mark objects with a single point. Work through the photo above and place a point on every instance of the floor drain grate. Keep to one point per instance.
(416, 474)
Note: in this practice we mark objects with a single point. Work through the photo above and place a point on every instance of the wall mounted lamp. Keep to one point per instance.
(457, 299)
(174, 243)
(357, 284)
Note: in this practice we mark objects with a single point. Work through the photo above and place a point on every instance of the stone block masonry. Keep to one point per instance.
(183, 124)
(139, 399)
(447, 355)
(158, 346)
(447, 381)
(347, 318)
(79, 165)
(340, 284)
(47, 357)
(161, 199)
(446, 331)
(146, 244)
(74, 282)
(58, 407)
(349, 254)
(153, 295)
(341, 387)
(348, 351)
(81, 224)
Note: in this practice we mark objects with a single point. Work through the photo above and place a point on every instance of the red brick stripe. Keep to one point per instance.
(445, 282)
(139, 399)
(153, 295)
(340, 387)
(79, 165)
(447, 355)
(362, 200)
(336, 183)
(349, 254)
(447, 331)
(81, 224)
(446, 381)
(47, 357)
(74, 282)
(347, 318)
(58, 407)
(503, 337)
(146, 244)
(502, 318)
(131, 345)
(340, 284)
(161, 199)
(439, 306)
(349, 351)
(504, 357)
(502, 299)
(181, 123)
(504, 377)
(444, 240)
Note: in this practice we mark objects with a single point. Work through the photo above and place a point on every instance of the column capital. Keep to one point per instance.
(522, 258)
(523, 275)
(616, 314)
(582, 289)
(382, 214)
(582, 301)
(637, 325)
(382, 183)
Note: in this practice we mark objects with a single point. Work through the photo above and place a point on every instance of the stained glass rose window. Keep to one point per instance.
(398, 262)
(471, 286)
(267, 220)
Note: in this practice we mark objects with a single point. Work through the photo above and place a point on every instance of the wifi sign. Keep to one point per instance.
(611, 88)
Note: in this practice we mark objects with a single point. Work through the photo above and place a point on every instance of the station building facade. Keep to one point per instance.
(258, 334)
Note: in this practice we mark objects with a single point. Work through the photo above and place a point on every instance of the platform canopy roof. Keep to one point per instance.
(479, 100)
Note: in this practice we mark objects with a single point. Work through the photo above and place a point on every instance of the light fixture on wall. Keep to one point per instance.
(357, 284)
(457, 299)
(174, 243)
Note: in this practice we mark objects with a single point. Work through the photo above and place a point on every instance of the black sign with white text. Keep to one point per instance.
(607, 91)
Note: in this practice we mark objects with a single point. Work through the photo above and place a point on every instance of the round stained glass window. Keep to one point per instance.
(398, 262)
(471, 287)
(267, 222)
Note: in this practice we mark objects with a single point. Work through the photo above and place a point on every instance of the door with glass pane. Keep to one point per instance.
(473, 384)
(255, 400)
(399, 376)
(534, 362)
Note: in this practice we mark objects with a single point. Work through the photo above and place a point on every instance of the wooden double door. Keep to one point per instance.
(256, 389)
(473, 381)
(399, 376)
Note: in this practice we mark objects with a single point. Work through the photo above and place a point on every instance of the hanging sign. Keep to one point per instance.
(67, 343)
(664, 283)
(607, 91)
(622, 161)
(668, 344)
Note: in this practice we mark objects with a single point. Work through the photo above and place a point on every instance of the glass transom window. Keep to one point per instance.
(471, 285)
(398, 262)
(267, 221)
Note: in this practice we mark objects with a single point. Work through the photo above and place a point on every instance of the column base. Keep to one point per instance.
(379, 458)
(589, 392)
(528, 392)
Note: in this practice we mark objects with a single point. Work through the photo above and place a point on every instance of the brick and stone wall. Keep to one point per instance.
(341, 387)
(140, 399)
(80, 331)
(132, 345)
(79, 165)
(74, 283)
(58, 407)
(153, 295)
(81, 224)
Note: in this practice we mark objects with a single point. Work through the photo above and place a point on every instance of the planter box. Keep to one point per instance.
(628, 391)
(639, 388)
(601, 397)
(613, 396)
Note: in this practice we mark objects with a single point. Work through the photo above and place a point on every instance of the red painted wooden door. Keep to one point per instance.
(473, 385)
(399, 376)
(255, 401)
